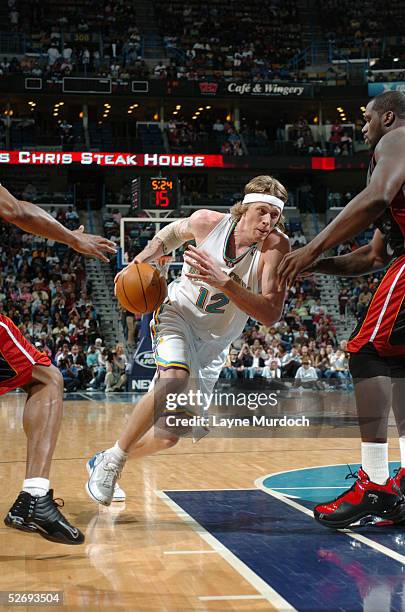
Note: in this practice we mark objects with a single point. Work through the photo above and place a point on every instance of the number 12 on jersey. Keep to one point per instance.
(214, 305)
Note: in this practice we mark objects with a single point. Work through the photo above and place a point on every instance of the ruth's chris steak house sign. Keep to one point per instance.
(59, 158)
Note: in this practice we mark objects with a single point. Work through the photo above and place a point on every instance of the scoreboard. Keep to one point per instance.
(155, 193)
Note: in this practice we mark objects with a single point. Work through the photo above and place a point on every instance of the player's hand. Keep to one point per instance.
(205, 268)
(293, 263)
(94, 246)
(116, 277)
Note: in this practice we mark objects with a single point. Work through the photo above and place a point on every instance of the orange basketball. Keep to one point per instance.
(140, 288)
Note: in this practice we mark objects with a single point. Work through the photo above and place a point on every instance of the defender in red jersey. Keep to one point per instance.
(377, 345)
(21, 365)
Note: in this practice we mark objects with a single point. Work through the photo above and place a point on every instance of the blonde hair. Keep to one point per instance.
(261, 184)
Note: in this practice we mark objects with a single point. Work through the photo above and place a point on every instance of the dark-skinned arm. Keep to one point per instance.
(368, 258)
(35, 220)
(386, 181)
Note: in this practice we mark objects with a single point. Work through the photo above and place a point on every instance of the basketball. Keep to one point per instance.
(140, 288)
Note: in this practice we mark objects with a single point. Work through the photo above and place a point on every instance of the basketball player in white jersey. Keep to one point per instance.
(227, 277)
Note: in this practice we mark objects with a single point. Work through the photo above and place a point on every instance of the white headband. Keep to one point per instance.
(263, 197)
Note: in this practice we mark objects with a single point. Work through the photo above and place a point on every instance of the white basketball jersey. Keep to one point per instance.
(211, 315)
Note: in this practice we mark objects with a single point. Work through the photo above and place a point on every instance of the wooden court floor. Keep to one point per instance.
(141, 555)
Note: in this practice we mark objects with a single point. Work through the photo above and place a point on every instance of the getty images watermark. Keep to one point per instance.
(197, 403)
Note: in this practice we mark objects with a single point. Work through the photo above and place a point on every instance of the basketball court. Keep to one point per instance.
(223, 524)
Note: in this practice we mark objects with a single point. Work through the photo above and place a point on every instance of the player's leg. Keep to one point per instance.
(35, 510)
(153, 441)
(105, 467)
(398, 407)
(172, 341)
(42, 418)
(374, 493)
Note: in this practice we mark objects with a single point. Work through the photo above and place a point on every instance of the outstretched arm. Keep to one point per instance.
(386, 181)
(368, 258)
(35, 220)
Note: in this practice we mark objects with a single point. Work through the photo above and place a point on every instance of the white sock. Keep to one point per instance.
(374, 461)
(402, 449)
(38, 487)
(117, 454)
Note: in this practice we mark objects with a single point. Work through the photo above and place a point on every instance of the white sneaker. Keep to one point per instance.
(119, 494)
(103, 475)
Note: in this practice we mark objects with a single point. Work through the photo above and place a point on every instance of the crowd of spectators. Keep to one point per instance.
(229, 40)
(225, 40)
(361, 30)
(339, 139)
(378, 76)
(356, 294)
(104, 39)
(43, 289)
(302, 348)
(52, 65)
(218, 136)
(339, 199)
(389, 76)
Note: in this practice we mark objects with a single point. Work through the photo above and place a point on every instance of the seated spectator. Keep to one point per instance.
(70, 376)
(256, 368)
(78, 362)
(116, 377)
(306, 376)
(272, 370)
(322, 362)
(97, 383)
(290, 362)
(245, 355)
(232, 366)
(302, 336)
(92, 359)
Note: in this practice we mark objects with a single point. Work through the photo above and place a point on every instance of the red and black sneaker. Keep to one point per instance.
(399, 479)
(363, 499)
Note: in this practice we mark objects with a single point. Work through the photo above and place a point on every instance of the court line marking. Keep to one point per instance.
(316, 467)
(355, 536)
(229, 597)
(304, 488)
(219, 489)
(190, 552)
(86, 397)
(265, 590)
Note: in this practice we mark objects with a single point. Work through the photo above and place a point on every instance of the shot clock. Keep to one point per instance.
(155, 193)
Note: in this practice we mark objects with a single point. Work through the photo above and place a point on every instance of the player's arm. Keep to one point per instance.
(386, 181)
(175, 234)
(35, 220)
(368, 258)
(265, 307)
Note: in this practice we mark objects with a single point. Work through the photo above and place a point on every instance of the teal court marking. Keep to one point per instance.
(315, 484)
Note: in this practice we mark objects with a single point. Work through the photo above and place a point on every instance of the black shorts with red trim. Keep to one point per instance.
(17, 357)
(367, 363)
(383, 324)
